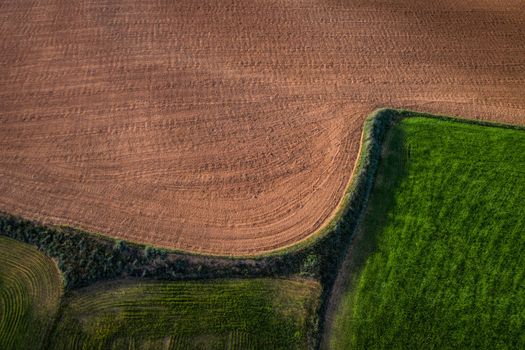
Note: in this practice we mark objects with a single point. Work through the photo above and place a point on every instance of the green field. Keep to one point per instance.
(229, 314)
(30, 291)
(439, 260)
(260, 313)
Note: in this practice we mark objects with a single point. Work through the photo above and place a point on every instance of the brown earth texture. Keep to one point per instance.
(222, 126)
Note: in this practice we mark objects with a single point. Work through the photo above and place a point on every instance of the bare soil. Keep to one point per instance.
(228, 127)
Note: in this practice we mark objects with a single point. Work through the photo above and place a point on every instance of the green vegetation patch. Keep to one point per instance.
(30, 291)
(440, 258)
(219, 314)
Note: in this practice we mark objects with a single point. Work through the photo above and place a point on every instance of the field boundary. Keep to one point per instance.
(334, 295)
(56, 240)
(87, 257)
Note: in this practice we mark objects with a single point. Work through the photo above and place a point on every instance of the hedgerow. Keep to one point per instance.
(85, 257)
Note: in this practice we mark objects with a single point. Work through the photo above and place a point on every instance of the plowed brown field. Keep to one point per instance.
(228, 127)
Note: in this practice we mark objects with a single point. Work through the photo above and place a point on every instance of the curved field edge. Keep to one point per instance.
(241, 313)
(86, 257)
(372, 136)
(351, 274)
(30, 295)
(64, 243)
(361, 180)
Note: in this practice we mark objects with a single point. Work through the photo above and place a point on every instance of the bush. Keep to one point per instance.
(310, 266)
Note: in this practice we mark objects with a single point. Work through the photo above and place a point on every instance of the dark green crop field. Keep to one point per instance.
(221, 314)
(439, 260)
(30, 291)
(265, 313)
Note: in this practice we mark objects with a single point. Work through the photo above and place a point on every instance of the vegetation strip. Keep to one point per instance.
(439, 259)
(85, 258)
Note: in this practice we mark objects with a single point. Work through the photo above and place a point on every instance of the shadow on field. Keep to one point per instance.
(391, 171)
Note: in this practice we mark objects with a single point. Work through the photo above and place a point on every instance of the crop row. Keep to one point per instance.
(235, 313)
(29, 296)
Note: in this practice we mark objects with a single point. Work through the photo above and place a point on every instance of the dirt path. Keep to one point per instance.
(338, 289)
(228, 126)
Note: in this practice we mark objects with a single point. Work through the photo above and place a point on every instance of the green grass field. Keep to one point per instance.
(30, 291)
(439, 262)
(228, 314)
